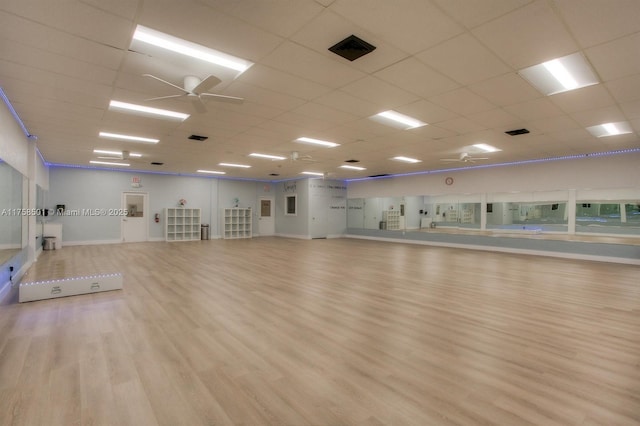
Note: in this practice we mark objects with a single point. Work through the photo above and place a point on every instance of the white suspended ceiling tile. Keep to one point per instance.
(348, 103)
(594, 21)
(590, 97)
(411, 26)
(462, 101)
(329, 28)
(464, 60)
(427, 112)
(626, 89)
(308, 64)
(616, 59)
(284, 83)
(376, 90)
(416, 77)
(552, 124)
(631, 109)
(527, 36)
(124, 9)
(322, 112)
(268, 99)
(535, 109)
(506, 89)
(593, 117)
(496, 118)
(309, 123)
(474, 13)
(461, 125)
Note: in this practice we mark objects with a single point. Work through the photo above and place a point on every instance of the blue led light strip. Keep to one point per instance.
(15, 115)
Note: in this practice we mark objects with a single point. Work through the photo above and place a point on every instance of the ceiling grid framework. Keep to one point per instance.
(453, 64)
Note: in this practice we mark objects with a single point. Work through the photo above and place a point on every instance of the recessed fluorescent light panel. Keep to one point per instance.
(317, 142)
(109, 163)
(129, 138)
(346, 166)
(212, 172)
(395, 119)
(407, 159)
(610, 129)
(312, 173)
(560, 75)
(120, 153)
(242, 166)
(486, 148)
(267, 156)
(194, 50)
(154, 112)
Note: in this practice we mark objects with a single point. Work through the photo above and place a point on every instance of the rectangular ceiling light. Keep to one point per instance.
(267, 156)
(395, 119)
(109, 163)
(130, 138)
(561, 74)
(610, 129)
(346, 166)
(141, 109)
(242, 166)
(120, 153)
(194, 50)
(212, 172)
(317, 142)
(406, 159)
(312, 173)
(486, 148)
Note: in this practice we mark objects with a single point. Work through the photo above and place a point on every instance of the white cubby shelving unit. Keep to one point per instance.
(237, 223)
(182, 224)
(392, 217)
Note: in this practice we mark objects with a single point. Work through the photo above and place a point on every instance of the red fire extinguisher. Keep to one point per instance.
(157, 218)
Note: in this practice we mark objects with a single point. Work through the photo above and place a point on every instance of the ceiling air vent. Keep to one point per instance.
(352, 161)
(198, 138)
(274, 174)
(352, 48)
(156, 163)
(517, 132)
(380, 175)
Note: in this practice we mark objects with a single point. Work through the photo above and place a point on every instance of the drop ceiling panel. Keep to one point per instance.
(597, 116)
(462, 101)
(590, 97)
(626, 89)
(464, 59)
(616, 59)
(527, 36)
(281, 82)
(507, 89)
(414, 76)
(348, 103)
(324, 113)
(496, 118)
(472, 13)
(379, 92)
(535, 109)
(461, 125)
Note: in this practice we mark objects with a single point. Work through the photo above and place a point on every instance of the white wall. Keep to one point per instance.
(610, 172)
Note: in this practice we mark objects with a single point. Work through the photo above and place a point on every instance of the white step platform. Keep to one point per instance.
(39, 290)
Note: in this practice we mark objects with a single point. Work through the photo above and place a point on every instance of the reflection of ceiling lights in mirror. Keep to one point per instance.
(194, 50)
(486, 148)
(212, 172)
(130, 138)
(406, 159)
(346, 166)
(561, 74)
(610, 129)
(241, 166)
(395, 119)
(267, 156)
(109, 163)
(312, 173)
(141, 109)
(317, 142)
(119, 153)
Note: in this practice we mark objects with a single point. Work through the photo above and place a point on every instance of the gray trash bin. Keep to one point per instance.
(49, 243)
(204, 232)
(383, 225)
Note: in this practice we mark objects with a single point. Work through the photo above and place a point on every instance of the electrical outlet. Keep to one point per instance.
(10, 268)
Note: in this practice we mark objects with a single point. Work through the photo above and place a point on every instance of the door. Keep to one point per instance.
(266, 222)
(319, 224)
(135, 224)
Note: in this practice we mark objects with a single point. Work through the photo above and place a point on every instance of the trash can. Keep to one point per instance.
(204, 232)
(49, 243)
(383, 224)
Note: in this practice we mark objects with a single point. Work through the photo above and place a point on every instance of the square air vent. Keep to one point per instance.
(198, 138)
(352, 48)
(352, 161)
(517, 132)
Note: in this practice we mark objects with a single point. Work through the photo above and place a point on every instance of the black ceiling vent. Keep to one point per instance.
(352, 161)
(156, 163)
(352, 48)
(380, 175)
(517, 132)
(198, 138)
(274, 174)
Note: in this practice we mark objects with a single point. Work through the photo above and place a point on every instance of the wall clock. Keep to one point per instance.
(449, 181)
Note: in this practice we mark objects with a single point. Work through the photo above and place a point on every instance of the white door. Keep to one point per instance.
(319, 225)
(266, 222)
(135, 225)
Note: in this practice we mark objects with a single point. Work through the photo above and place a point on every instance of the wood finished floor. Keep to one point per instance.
(274, 331)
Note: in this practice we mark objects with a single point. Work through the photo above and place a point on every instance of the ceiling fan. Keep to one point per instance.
(464, 158)
(196, 90)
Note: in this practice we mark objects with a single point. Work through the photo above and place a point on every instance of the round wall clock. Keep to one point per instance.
(449, 181)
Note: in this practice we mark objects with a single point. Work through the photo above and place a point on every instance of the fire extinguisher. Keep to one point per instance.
(157, 218)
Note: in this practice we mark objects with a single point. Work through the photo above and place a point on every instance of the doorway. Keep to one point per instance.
(135, 224)
(266, 222)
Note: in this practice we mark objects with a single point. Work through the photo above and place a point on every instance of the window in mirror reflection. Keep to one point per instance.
(607, 217)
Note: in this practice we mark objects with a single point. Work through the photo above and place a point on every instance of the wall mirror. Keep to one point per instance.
(12, 221)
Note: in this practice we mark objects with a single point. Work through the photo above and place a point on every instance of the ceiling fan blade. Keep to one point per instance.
(206, 84)
(198, 105)
(223, 98)
(450, 159)
(165, 82)
(165, 97)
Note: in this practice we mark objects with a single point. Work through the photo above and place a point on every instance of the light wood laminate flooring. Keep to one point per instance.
(274, 331)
